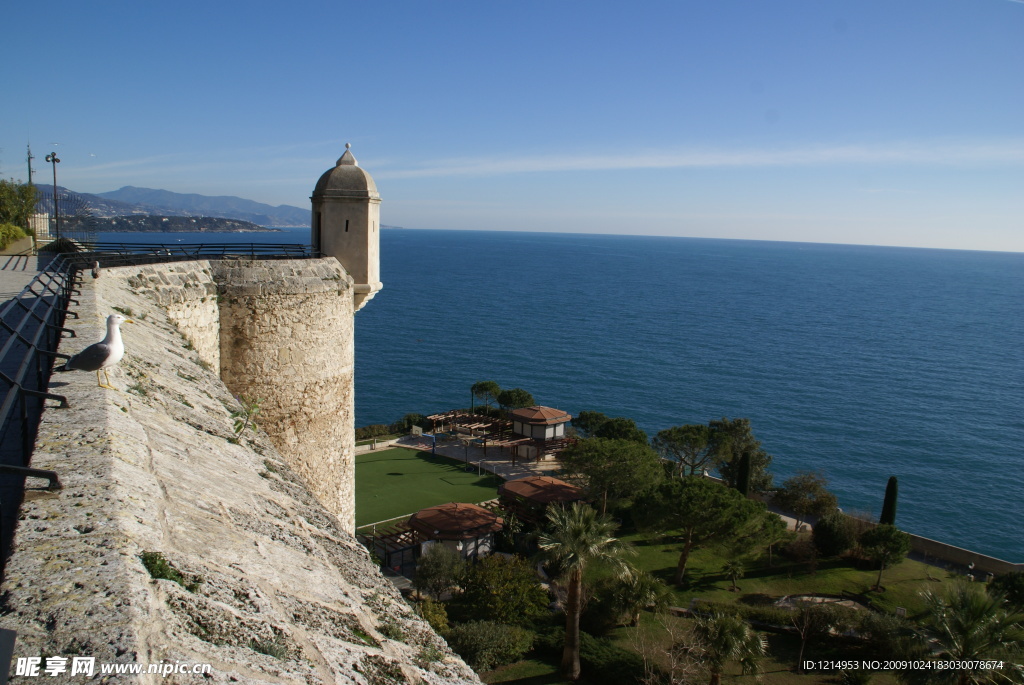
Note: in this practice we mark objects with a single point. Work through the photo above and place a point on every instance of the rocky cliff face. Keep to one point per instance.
(272, 588)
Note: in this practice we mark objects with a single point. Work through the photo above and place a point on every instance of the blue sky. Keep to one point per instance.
(870, 122)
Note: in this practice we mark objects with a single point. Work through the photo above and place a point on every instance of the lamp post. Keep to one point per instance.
(52, 159)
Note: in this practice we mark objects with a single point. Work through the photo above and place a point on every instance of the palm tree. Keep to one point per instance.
(734, 569)
(970, 627)
(575, 537)
(639, 591)
(725, 638)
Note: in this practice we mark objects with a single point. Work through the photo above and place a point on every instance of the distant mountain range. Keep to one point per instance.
(164, 202)
(132, 201)
(154, 223)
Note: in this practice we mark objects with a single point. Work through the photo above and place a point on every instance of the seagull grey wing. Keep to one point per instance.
(92, 358)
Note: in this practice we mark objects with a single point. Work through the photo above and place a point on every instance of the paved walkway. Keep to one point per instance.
(18, 266)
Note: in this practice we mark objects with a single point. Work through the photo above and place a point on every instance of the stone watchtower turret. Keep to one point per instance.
(346, 223)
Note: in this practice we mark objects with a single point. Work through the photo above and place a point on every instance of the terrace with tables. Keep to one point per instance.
(533, 433)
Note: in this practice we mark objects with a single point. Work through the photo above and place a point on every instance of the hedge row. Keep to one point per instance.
(9, 233)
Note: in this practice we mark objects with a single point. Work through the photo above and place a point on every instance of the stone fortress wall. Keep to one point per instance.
(281, 332)
(283, 593)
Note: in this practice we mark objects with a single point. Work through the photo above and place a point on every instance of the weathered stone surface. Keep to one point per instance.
(151, 469)
(287, 338)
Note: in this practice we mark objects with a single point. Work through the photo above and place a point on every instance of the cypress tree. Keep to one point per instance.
(888, 516)
(743, 475)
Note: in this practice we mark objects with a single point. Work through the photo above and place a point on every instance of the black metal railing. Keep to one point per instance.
(31, 327)
(133, 254)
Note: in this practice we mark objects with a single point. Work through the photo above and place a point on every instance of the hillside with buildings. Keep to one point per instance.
(131, 201)
(149, 223)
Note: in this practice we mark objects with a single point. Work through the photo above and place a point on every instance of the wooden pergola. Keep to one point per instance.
(529, 498)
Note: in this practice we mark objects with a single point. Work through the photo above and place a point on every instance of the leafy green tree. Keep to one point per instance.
(834, 534)
(722, 638)
(816, 619)
(805, 494)
(515, 398)
(889, 504)
(731, 439)
(576, 537)
(701, 513)
(440, 568)
(486, 392)
(503, 589)
(611, 470)
(17, 202)
(976, 632)
(621, 429)
(689, 446)
(885, 545)
(588, 422)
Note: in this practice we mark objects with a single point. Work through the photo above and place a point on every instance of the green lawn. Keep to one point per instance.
(401, 481)
(763, 583)
(903, 583)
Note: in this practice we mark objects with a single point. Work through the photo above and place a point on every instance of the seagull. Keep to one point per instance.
(98, 356)
(95, 269)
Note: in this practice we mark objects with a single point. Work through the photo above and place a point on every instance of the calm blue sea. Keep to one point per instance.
(859, 362)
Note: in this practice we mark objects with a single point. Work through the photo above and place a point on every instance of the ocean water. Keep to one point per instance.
(859, 362)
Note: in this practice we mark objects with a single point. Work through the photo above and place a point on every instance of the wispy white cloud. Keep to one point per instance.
(992, 152)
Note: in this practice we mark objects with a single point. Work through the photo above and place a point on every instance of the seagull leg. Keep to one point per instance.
(108, 385)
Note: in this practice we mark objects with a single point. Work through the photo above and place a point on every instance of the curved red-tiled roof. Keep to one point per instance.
(455, 521)
(541, 415)
(542, 489)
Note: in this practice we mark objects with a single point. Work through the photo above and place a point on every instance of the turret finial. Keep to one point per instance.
(347, 159)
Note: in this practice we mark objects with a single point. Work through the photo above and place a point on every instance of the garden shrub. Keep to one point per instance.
(60, 245)
(486, 645)
(601, 613)
(883, 632)
(599, 656)
(834, 534)
(9, 233)
(433, 613)
(763, 613)
(1011, 587)
(603, 660)
(372, 431)
(404, 425)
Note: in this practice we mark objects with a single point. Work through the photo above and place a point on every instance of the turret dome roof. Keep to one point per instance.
(346, 180)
